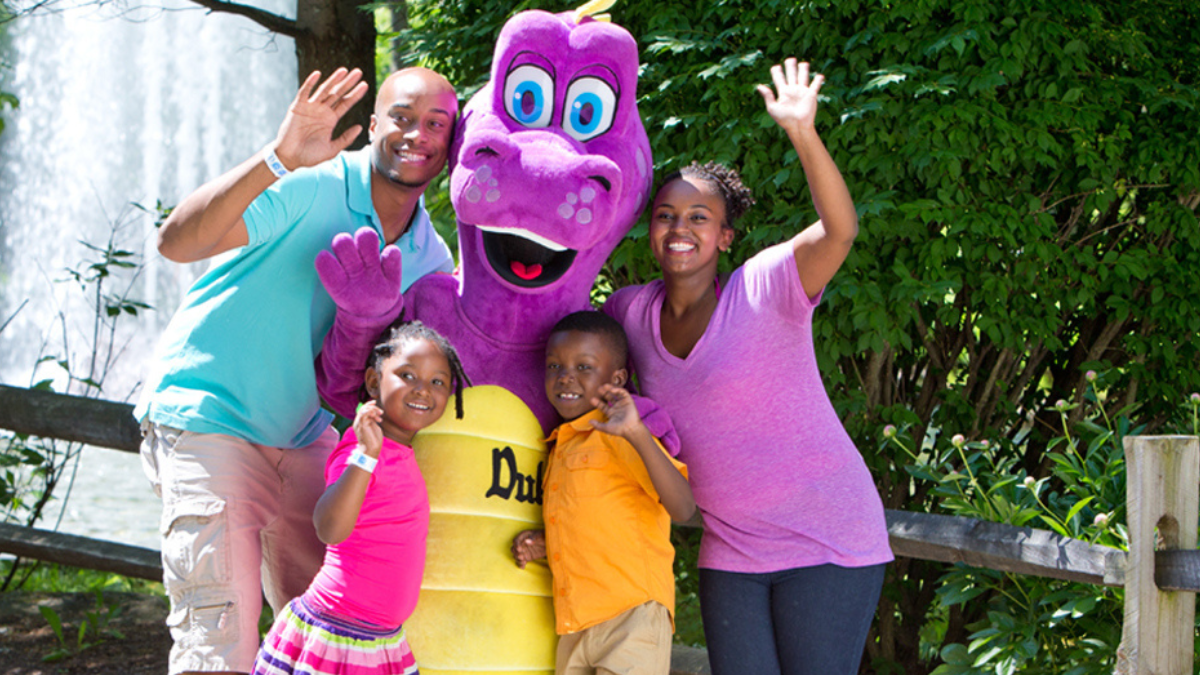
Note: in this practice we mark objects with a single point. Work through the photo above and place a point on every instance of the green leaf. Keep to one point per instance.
(1053, 524)
(55, 622)
(1078, 507)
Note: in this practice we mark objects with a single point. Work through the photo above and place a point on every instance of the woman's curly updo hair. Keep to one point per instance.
(734, 193)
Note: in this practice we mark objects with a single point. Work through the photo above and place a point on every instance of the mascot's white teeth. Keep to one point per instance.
(525, 234)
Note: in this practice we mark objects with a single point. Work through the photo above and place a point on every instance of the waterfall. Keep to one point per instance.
(119, 106)
(117, 109)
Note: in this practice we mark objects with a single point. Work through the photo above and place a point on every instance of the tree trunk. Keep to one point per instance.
(334, 33)
(399, 22)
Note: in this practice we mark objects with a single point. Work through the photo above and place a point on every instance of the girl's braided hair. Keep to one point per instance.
(415, 330)
(728, 182)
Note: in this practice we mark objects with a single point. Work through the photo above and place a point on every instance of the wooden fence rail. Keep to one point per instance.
(1161, 571)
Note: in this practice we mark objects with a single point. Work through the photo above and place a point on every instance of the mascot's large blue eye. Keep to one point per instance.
(591, 104)
(529, 95)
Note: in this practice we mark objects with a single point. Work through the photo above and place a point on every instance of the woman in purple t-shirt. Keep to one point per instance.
(795, 541)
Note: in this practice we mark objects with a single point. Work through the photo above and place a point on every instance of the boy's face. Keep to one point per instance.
(577, 364)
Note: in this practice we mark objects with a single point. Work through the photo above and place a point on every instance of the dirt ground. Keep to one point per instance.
(26, 637)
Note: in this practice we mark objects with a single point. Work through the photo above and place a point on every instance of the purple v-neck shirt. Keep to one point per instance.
(776, 476)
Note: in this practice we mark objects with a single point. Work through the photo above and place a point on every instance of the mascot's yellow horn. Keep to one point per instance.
(592, 8)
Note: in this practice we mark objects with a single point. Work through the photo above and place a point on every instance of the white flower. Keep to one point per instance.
(958, 440)
(1029, 482)
(1101, 520)
(889, 431)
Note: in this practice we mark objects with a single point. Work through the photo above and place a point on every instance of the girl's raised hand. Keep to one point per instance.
(367, 428)
(793, 104)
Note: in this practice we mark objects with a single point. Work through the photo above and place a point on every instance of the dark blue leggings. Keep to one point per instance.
(805, 621)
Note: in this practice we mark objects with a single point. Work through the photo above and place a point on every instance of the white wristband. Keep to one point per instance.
(361, 460)
(274, 164)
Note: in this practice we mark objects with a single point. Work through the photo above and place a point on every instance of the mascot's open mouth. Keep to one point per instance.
(522, 261)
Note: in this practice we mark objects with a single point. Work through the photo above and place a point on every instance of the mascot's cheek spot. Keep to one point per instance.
(526, 272)
(483, 178)
(587, 194)
(566, 210)
(584, 216)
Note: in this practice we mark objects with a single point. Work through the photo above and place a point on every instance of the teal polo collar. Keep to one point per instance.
(358, 184)
(358, 195)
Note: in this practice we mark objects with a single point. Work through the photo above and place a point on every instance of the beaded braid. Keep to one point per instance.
(415, 330)
(728, 182)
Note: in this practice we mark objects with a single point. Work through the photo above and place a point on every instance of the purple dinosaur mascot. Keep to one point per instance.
(550, 168)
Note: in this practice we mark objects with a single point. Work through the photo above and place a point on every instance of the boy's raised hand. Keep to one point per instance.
(793, 104)
(367, 428)
(306, 136)
(618, 406)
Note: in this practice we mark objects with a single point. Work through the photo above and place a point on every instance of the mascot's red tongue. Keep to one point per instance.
(524, 271)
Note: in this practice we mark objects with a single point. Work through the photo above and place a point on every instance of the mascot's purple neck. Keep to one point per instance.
(550, 168)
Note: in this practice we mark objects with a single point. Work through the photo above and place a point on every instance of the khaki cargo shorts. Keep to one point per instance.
(236, 523)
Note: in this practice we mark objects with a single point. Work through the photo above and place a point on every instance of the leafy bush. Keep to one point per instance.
(1029, 624)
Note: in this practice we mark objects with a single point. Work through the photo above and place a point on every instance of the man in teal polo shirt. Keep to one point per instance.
(235, 438)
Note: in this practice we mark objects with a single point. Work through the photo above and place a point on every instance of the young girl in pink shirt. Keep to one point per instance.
(374, 519)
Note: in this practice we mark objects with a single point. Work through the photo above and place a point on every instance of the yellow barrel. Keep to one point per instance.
(478, 612)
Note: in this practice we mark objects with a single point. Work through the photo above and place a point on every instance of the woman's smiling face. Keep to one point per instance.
(687, 225)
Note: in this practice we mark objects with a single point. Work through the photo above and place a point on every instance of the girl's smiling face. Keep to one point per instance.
(412, 387)
(687, 226)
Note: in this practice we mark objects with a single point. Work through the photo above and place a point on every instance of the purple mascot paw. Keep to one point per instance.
(658, 422)
(362, 281)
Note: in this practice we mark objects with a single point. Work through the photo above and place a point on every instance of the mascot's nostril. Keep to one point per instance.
(604, 182)
(486, 151)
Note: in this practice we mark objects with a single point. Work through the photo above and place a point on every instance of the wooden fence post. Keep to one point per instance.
(1163, 498)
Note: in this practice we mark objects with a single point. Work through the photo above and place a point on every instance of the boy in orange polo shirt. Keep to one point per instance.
(611, 491)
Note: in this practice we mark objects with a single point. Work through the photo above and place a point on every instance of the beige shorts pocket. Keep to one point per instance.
(203, 618)
(196, 544)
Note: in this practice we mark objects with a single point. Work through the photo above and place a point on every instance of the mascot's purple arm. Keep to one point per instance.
(550, 168)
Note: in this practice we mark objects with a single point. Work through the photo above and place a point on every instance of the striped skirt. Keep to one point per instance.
(305, 642)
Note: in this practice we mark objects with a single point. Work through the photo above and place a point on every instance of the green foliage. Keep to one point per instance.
(689, 629)
(34, 468)
(1015, 623)
(95, 626)
(52, 578)
(93, 629)
(1027, 177)
(9, 101)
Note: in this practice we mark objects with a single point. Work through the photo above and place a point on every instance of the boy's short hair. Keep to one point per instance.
(597, 323)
